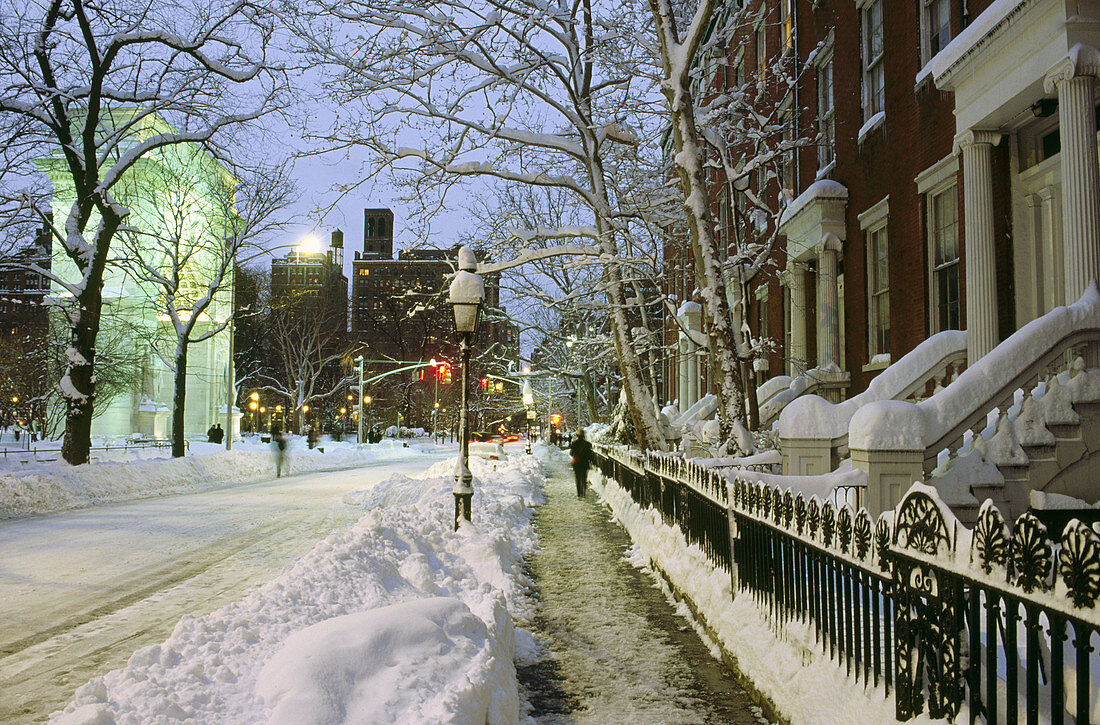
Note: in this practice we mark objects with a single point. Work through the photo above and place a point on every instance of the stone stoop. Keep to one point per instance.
(1063, 467)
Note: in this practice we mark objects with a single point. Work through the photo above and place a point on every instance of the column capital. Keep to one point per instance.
(975, 137)
(831, 243)
(1082, 61)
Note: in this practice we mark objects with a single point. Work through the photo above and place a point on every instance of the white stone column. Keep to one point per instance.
(682, 374)
(691, 315)
(1074, 78)
(828, 308)
(981, 270)
(798, 316)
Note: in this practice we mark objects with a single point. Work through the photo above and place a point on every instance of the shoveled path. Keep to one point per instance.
(610, 647)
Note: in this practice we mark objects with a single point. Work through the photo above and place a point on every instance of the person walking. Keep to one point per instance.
(279, 446)
(211, 433)
(581, 451)
(219, 434)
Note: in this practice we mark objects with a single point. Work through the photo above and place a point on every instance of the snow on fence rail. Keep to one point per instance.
(993, 624)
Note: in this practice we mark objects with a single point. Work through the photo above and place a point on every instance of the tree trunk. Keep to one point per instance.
(179, 401)
(80, 372)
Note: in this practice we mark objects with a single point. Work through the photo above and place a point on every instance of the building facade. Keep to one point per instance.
(928, 194)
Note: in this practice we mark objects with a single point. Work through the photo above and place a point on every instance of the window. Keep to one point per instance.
(935, 27)
(761, 53)
(874, 79)
(878, 290)
(786, 117)
(826, 125)
(786, 24)
(943, 242)
(762, 330)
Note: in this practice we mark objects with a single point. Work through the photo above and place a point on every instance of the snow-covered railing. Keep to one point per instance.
(897, 598)
(773, 397)
(907, 438)
(813, 432)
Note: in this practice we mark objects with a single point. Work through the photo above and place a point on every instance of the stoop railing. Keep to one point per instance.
(991, 625)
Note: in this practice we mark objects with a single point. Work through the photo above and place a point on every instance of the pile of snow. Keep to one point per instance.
(44, 487)
(397, 619)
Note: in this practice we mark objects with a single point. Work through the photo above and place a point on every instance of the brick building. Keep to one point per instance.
(400, 312)
(931, 195)
(22, 290)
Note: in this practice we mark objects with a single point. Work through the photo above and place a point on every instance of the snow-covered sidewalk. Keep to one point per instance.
(806, 686)
(396, 619)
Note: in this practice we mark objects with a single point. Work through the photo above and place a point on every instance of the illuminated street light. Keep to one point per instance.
(467, 293)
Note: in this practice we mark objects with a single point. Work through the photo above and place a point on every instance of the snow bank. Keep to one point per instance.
(984, 379)
(812, 416)
(397, 619)
(39, 488)
(789, 668)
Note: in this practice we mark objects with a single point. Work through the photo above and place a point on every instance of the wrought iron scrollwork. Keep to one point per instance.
(882, 543)
(813, 517)
(1032, 554)
(828, 524)
(765, 498)
(1079, 564)
(920, 526)
(777, 505)
(990, 544)
(844, 529)
(861, 531)
(799, 514)
(788, 508)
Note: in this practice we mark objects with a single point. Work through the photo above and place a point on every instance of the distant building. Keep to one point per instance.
(399, 308)
(22, 290)
(314, 275)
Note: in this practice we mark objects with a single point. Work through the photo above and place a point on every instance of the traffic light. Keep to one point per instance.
(484, 383)
(555, 420)
(420, 375)
(445, 373)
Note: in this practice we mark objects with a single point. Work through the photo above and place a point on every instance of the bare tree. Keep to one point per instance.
(519, 91)
(308, 351)
(88, 91)
(195, 223)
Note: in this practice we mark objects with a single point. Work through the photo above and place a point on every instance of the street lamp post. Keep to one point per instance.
(467, 293)
(529, 409)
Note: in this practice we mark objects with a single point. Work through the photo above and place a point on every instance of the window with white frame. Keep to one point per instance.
(786, 116)
(826, 124)
(723, 223)
(761, 53)
(942, 208)
(878, 289)
(786, 24)
(935, 27)
(874, 76)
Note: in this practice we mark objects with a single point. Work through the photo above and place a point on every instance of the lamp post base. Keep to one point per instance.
(463, 504)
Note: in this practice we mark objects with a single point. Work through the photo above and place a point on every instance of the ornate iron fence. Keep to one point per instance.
(992, 625)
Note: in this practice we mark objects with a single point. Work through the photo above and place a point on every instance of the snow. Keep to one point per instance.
(806, 686)
(467, 287)
(38, 488)
(823, 189)
(987, 21)
(811, 416)
(872, 123)
(395, 619)
(977, 388)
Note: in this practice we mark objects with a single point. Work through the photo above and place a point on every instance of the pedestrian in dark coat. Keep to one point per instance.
(581, 451)
(211, 434)
(219, 434)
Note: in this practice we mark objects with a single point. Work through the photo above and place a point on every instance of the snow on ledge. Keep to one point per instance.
(998, 12)
(897, 425)
(872, 123)
(823, 189)
(813, 417)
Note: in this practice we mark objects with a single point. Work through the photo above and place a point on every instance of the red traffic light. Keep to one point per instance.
(484, 382)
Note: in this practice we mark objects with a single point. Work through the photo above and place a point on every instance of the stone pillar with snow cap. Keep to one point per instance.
(1074, 78)
(976, 147)
(886, 441)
